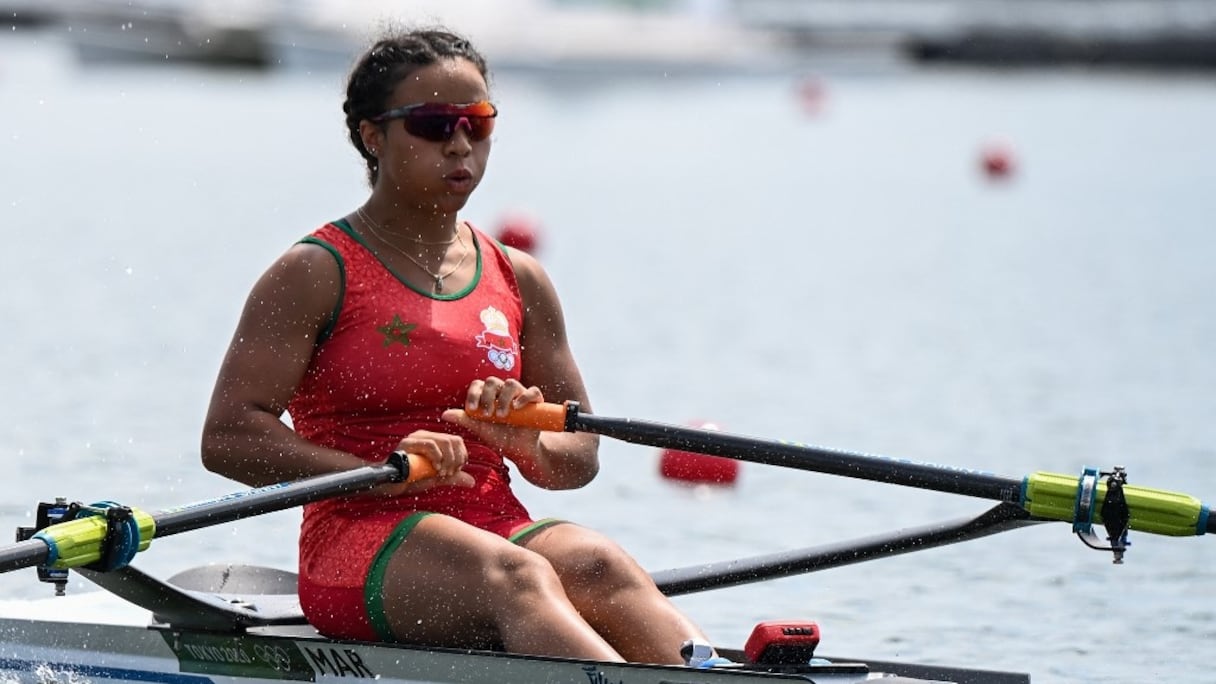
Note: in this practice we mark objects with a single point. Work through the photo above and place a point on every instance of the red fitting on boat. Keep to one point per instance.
(782, 642)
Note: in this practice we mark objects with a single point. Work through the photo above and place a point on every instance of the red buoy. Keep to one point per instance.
(519, 231)
(811, 95)
(996, 160)
(694, 468)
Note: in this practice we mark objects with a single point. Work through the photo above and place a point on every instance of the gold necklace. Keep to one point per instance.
(438, 277)
(367, 219)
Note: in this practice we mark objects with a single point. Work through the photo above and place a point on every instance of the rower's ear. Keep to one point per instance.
(372, 136)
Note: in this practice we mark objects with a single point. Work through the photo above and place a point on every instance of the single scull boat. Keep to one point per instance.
(234, 623)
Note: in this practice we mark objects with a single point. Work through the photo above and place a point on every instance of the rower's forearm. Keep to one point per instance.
(260, 450)
(566, 461)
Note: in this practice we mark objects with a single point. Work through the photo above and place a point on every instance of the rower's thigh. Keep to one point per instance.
(585, 559)
(446, 582)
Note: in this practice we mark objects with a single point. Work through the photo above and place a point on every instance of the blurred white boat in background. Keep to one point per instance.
(1178, 33)
(668, 38)
(221, 32)
(641, 37)
(23, 13)
(537, 35)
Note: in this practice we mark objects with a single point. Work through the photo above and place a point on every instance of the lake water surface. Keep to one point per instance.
(847, 278)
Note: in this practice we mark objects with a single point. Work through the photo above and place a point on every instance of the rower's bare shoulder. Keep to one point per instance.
(534, 282)
(306, 263)
(306, 278)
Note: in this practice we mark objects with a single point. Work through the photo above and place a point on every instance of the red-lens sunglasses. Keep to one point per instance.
(438, 121)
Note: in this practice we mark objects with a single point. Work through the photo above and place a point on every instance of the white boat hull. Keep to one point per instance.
(226, 623)
(45, 651)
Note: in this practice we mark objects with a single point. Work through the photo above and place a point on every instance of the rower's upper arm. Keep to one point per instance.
(548, 361)
(285, 314)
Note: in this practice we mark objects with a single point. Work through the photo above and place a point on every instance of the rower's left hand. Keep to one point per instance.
(499, 397)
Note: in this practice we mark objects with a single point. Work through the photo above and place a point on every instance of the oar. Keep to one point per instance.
(84, 540)
(1044, 495)
(1000, 518)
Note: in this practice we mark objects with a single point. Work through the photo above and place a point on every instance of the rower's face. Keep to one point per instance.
(431, 174)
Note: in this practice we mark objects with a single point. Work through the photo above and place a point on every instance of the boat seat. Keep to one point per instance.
(217, 597)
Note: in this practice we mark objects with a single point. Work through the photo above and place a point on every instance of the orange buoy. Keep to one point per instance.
(694, 468)
(996, 160)
(519, 231)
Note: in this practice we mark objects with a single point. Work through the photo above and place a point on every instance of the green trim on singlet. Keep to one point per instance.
(532, 529)
(373, 588)
(349, 230)
(333, 316)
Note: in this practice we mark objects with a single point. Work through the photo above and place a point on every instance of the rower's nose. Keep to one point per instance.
(461, 143)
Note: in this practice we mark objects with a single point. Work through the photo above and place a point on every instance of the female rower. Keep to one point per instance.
(376, 333)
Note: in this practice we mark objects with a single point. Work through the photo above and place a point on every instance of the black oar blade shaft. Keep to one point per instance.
(76, 546)
(804, 457)
(23, 554)
(1003, 517)
(263, 500)
(1046, 495)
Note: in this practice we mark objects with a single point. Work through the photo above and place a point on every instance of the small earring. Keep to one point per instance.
(374, 152)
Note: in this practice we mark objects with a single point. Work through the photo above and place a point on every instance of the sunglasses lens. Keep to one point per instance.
(480, 127)
(438, 124)
(433, 127)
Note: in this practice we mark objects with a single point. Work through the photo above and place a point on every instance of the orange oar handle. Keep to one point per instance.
(544, 416)
(413, 466)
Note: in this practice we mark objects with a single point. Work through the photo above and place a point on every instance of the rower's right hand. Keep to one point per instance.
(446, 452)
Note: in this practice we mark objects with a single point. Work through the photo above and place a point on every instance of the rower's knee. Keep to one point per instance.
(602, 568)
(516, 574)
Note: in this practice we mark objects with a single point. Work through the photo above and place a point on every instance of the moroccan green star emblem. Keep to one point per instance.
(397, 331)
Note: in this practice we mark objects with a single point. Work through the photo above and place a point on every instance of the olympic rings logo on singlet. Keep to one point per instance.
(503, 351)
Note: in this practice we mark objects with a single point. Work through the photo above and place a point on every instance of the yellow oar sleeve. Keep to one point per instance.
(79, 542)
(1054, 496)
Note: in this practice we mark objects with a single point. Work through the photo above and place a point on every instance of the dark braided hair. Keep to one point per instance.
(385, 64)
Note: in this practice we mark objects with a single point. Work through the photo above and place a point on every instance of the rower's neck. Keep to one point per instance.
(405, 224)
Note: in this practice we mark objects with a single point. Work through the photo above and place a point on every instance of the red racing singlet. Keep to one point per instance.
(394, 358)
